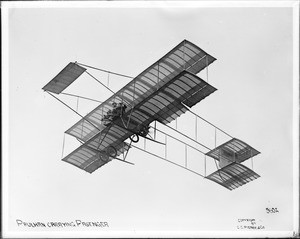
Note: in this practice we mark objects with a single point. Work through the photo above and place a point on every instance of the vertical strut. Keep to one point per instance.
(186, 156)
(234, 159)
(196, 129)
(155, 130)
(204, 165)
(210, 124)
(157, 76)
(133, 95)
(184, 63)
(165, 146)
(107, 79)
(103, 136)
(123, 153)
(251, 160)
(127, 150)
(99, 82)
(122, 103)
(215, 137)
(73, 110)
(63, 148)
(217, 165)
(77, 104)
(207, 68)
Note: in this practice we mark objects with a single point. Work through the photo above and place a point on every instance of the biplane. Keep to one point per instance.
(163, 92)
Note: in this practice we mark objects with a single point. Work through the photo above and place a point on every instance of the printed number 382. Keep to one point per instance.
(272, 210)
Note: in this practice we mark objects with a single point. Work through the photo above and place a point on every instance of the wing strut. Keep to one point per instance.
(109, 72)
(63, 147)
(168, 161)
(100, 82)
(82, 97)
(134, 132)
(122, 160)
(73, 110)
(209, 123)
(186, 136)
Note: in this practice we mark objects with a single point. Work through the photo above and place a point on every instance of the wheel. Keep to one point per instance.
(134, 138)
(103, 157)
(111, 151)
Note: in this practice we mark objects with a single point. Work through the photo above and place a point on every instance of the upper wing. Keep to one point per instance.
(185, 56)
(158, 93)
(234, 150)
(167, 103)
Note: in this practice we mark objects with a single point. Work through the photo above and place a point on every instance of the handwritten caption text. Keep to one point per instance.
(76, 223)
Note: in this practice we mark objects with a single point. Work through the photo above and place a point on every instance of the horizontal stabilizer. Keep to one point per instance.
(233, 150)
(233, 176)
(64, 78)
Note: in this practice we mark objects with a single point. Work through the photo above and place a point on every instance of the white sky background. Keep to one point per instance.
(254, 77)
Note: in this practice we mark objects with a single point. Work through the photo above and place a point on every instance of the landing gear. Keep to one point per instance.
(134, 138)
(110, 152)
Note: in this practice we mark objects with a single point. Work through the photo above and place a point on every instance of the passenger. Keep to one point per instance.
(124, 109)
(117, 111)
(114, 104)
(107, 118)
(144, 131)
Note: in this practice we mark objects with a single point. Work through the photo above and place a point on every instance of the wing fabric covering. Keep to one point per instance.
(64, 78)
(233, 176)
(161, 92)
(185, 56)
(166, 105)
(235, 150)
(92, 155)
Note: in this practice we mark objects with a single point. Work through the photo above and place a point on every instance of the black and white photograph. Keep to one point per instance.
(150, 119)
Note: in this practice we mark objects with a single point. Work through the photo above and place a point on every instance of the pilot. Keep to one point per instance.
(124, 109)
(115, 113)
(144, 131)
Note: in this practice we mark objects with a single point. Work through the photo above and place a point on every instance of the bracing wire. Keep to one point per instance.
(168, 160)
(211, 124)
(82, 97)
(177, 140)
(74, 110)
(114, 73)
(104, 86)
(110, 72)
(187, 136)
(99, 82)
